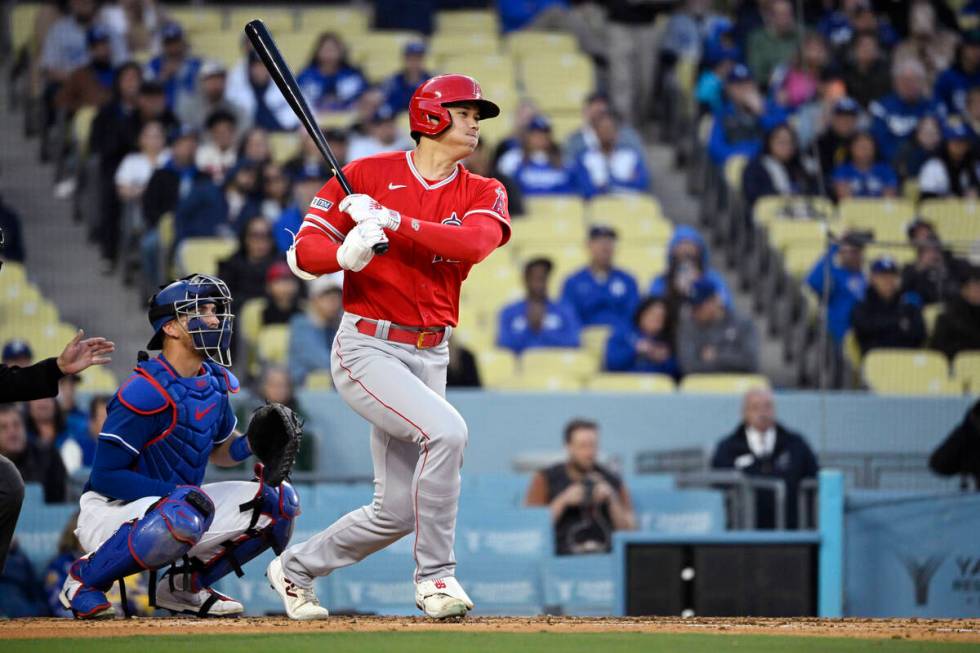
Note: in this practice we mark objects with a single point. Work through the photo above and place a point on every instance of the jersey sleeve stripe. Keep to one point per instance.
(492, 214)
(313, 225)
(315, 219)
(112, 437)
(233, 427)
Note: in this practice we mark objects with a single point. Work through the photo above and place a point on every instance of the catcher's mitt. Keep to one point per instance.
(274, 435)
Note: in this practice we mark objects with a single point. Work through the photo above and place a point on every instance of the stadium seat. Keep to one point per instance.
(202, 255)
(82, 127)
(929, 314)
(574, 363)
(199, 18)
(542, 381)
(908, 372)
(886, 218)
(469, 21)
(22, 21)
(493, 284)
(956, 220)
(636, 228)
(579, 585)
(556, 206)
(283, 145)
(557, 81)
(530, 44)
(594, 339)
(901, 253)
(550, 230)
(222, 46)
(786, 231)
(447, 45)
(644, 262)
(50, 339)
(630, 382)
(772, 207)
(611, 207)
(13, 273)
(851, 349)
(564, 123)
(273, 343)
(297, 50)
(319, 380)
(250, 318)
(98, 380)
(734, 166)
(567, 259)
(800, 258)
(496, 366)
(350, 22)
(722, 383)
(280, 21)
(380, 42)
(966, 371)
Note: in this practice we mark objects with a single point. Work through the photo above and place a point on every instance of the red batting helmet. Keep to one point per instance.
(430, 100)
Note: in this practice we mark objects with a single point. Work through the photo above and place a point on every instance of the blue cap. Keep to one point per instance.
(16, 348)
(383, 113)
(96, 34)
(601, 231)
(717, 52)
(884, 264)
(702, 290)
(539, 123)
(847, 106)
(414, 47)
(172, 32)
(739, 73)
(956, 131)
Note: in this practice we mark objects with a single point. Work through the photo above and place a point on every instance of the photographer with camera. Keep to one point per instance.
(587, 501)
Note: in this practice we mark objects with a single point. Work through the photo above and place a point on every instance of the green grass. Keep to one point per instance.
(438, 642)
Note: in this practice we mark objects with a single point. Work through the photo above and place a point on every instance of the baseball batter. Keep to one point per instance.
(390, 354)
(144, 506)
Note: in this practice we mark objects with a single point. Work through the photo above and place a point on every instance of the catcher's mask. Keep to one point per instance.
(186, 298)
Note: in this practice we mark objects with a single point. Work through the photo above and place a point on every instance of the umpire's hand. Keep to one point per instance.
(81, 354)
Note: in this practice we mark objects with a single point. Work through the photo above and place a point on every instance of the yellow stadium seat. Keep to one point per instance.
(929, 315)
(82, 127)
(908, 372)
(201, 255)
(642, 261)
(608, 207)
(722, 383)
(550, 230)
(14, 296)
(771, 207)
(468, 21)
(956, 220)
(966, 371)
(319, 380)
(886, 218)
(32, 313)
(199, 18)
(572, 363)
(98, 380)
(786, 231)
(489, 68)
(734, 166)
(493, 285)
(636, 228)
(250, 318)
(529, 44)
(349, 22)
(273, 343)
(901, 253)
(800, 258)
(594, 339)
(852, 349)
(497, 366)
(284, 145)
(22, 21)
(564, 123)
(557, 81)
(50, 339)
(297, 50)
(543, 382)
(224, 47)
(560, 206)
(451, 44)
(280, 21)
(388, 41)
(12, 272)
(645, 383)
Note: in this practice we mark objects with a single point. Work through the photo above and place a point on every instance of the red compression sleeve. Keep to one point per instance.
(480, 236)
(316, 253)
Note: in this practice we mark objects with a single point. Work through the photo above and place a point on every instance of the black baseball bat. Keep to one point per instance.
(265, 46)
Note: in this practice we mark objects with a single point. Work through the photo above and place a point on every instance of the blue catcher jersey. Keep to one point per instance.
(169, 424)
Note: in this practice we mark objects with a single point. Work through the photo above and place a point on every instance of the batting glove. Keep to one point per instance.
(364, 208)
(357, 249)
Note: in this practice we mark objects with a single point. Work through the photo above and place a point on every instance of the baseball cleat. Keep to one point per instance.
(442, 598)
(205, 603)
(83, 601)
(301, 602)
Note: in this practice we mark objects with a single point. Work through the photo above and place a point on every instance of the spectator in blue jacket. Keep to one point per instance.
(329, 81)
(646, 345)
(291, 219)
(601, 293)
(541, 170)
(21, 595)
(398, 88)
(743, 118)
(863, 175)
(311, 333)
(896, 115)
(953, 83)
(536, 321)
(687, 261)
(202, 212)
(847, 282)
(611, 165)
(174, 67)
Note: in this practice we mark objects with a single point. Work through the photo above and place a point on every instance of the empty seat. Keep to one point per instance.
(575, 363)
(635, 228)
(202, 255)
(800, 258)
(467, 21)
(283, 145)
(222, 46)
(611, 207)
(908, 372)
(593, 339)
(273, 343)
(199, 18)
(497, 366)
(318, 380)
(966, 371)
(785, 231)
(549, 230)
(886, 218)
(530, 44)
(557, 81)
(734, 166)
(722, 383)
(250, 318)
(642, 261)
(772, 207)
(542, 381)
(956, 220)
(451, 44)
(280, 21)
(561, 207)
(351, 22)
(631, 382)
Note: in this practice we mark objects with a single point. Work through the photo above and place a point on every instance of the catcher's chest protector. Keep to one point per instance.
(195, 406)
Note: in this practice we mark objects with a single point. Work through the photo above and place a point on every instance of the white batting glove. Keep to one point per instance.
(364, 208)
(357, 249)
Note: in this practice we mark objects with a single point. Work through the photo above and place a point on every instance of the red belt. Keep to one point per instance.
(422, 338)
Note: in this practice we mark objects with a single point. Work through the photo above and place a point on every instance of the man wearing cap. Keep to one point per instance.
(537, 321)
(600, 293)
(743, 118)
(538, 167)
(835, 143)
(90, 85)
(847, 281)
(311, 333)
(174, 67)
(712, 338)
(886, 317)
(958, 327)
(208, 97)
(399, 87)
(896, 115)
(612, 166)
(954, 172)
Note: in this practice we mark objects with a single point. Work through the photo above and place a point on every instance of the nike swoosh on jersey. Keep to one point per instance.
(199, 414)
(392, 186)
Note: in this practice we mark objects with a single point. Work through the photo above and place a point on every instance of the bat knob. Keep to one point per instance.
(380, 248)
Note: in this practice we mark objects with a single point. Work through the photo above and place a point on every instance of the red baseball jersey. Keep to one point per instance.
(408, 285)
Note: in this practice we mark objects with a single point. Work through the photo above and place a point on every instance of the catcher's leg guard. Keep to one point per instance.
(167, 531)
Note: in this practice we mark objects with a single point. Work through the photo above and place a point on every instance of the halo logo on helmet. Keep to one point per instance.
(187, 298)
(427, 112)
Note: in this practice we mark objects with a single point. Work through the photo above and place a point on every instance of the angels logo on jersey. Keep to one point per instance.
(456, 222)
(501, 202)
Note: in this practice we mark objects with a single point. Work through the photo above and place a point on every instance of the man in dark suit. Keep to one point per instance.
(760, 446)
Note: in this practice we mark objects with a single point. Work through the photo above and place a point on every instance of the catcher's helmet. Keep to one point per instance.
(430, 100)
(185, 298)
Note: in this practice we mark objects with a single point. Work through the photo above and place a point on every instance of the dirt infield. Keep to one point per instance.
(965, 630)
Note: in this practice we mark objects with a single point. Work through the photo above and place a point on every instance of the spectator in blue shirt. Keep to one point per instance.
(601, 293)
(516, 14)
(174, 68)
(536, 321)
(862, 175)
(743, 118)
(611, 165)
(896, 115)
(595, 107)
(541, 170)
(646, 345)
(398, 88)
(330, 82)
(953, 83)
(710, 88)
(311, 333)
(847, 281)
(688, 260)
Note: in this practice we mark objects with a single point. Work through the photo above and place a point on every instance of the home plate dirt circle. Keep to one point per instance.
(961, 630)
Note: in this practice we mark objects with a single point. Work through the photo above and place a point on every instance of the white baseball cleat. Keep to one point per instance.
(301, 602)
(205, 603)
(442, 598)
